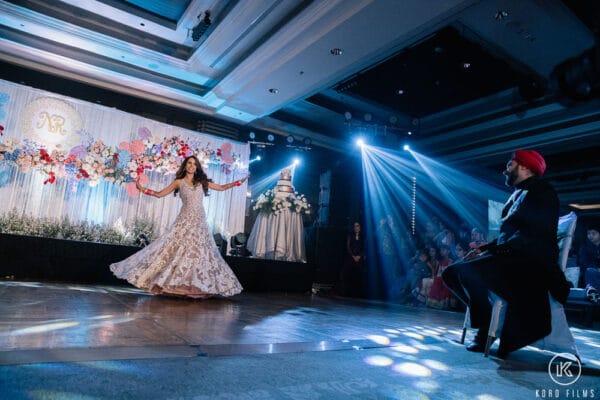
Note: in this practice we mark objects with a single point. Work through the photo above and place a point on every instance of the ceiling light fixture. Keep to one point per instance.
(202, 26)
(336, 51)
(466, 65)
(274, 90)
(400, 91)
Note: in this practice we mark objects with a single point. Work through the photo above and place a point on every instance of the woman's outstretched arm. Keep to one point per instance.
(169, 189)
(220, 188)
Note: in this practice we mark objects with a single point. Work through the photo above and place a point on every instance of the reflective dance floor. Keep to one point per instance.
(64, 341)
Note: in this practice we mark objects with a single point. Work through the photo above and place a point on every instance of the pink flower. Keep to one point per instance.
(225, 151)
(137, 147)
(131, 189)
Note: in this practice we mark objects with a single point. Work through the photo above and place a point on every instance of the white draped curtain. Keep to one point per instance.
(23, 191)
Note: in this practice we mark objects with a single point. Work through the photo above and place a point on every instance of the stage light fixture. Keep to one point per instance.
(296, 161)
(307, 141)
(348, 115)
(252, 135)
(289, 139)
(406, 147)
(360, 142)
(270, 138)
(142, 240)
(258, 158)
(238, 245)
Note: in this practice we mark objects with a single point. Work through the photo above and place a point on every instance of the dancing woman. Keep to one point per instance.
(185, 261)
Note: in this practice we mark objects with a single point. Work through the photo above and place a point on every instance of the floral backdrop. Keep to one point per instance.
(93, 161)
(76, 163)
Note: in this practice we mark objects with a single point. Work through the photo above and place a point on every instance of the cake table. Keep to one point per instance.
(279, 235)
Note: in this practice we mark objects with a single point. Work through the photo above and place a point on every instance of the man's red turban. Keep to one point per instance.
(532, 160)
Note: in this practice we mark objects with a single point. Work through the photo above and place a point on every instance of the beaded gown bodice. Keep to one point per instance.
(185, 261)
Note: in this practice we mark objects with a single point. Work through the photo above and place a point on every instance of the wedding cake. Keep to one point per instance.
(284, 185)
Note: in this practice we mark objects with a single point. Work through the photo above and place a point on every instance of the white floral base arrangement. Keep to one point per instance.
(12, 223)
(269, 203)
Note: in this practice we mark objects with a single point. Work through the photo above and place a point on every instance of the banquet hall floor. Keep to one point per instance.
(388, 345)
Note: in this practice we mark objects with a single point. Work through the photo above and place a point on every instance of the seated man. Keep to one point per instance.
(589, 261)
(521, 266)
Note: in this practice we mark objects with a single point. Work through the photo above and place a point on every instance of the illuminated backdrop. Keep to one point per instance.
(71, 160)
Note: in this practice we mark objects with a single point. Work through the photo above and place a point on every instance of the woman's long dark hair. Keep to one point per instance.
(199, 176)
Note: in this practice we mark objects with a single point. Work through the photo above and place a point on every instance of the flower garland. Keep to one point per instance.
(94, 161)
(267, 202)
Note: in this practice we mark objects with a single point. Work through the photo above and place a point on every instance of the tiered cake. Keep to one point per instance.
(284, 185)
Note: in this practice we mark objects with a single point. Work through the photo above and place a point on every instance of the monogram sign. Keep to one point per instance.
(51, 122)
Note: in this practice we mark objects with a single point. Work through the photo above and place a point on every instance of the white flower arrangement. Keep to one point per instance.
(13, 223)
(269, 203)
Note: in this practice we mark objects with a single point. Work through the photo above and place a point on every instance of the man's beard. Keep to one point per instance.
(512, 177)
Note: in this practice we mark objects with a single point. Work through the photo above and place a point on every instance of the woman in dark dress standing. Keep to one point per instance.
(354, 272)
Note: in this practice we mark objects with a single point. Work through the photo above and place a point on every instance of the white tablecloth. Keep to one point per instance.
(278, 237)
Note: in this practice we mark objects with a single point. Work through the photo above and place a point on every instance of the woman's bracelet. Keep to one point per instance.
(148, 192)
(237, 183)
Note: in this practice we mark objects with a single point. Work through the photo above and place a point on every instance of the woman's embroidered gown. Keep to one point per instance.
(185, 261)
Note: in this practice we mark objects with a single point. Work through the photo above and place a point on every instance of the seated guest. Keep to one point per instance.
(477, 238)
(521, 266)
(418, 270)
(439, 295)
(460, 251)
(427, 281)
(589, 261)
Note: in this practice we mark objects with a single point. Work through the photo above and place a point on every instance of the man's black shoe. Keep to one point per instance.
(476, 347)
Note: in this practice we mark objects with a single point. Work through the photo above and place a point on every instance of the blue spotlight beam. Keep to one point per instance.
(461, 192)
(388, 177)
(388, 204)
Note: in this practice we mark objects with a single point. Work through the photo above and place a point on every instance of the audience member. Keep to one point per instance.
(439, 295)
(477, 238)
(589, 262)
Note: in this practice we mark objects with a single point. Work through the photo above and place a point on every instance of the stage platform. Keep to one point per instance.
(55, 260)
(73, 341)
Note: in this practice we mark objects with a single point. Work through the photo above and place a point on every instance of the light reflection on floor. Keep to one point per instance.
(418, 345)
